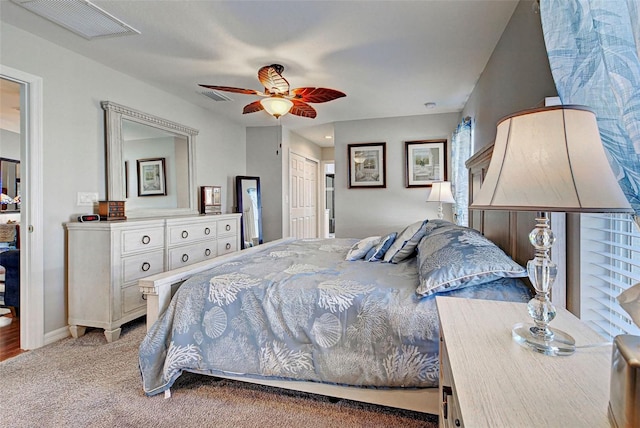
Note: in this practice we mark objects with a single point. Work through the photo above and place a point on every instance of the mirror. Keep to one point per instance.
(150, 163)
(10, 183)
(248, 200)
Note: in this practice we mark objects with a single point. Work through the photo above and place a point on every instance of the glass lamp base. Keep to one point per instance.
(559, 345)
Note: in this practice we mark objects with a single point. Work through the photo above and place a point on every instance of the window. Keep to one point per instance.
(461, 143)
(609, 264)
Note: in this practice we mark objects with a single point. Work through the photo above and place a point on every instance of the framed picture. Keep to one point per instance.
(152, 179)
(367, 165)
(210, 200)
(426, 162)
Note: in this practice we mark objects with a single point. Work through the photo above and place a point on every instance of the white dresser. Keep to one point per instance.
(106, 260)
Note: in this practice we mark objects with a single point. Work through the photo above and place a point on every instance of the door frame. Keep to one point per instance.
(31, 212)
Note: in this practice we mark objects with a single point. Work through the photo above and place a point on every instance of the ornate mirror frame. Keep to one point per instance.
(115, 165)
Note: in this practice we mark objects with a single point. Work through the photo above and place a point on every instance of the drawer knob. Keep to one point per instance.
(146, 266)
(185, 258)
(457, 422)
(146, 239)
(207, 231)
(207, 252)
(228, 246)
(228, 227)
(185, 234)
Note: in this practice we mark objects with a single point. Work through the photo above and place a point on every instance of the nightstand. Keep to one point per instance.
(488, 380)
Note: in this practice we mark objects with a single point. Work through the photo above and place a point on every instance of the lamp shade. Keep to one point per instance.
(276, 106)
(441, 192)
(550, 159)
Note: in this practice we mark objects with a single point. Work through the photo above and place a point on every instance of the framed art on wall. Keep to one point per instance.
(367, 165)
(426, 162)
(151, 177)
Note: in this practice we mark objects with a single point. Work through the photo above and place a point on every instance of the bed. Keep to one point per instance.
(346, 318)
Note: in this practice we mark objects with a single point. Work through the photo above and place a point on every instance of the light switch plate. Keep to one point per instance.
(87, 199)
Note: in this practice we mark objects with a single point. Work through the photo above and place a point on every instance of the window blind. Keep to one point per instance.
(609, 264)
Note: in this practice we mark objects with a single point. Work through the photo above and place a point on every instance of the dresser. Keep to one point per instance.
(488, 380)
(106, 260)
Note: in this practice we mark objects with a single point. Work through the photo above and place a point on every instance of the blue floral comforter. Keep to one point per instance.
(299, 311)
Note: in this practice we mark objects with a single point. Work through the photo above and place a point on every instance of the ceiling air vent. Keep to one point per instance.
(80, 16)
(216, 96)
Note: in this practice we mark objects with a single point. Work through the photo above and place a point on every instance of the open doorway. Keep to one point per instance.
(24, 182)
(330, 199)
(10, 204)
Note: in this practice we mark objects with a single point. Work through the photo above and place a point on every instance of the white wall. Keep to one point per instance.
(264, 160)
(367, 212)
(74, 148)
(9, 144)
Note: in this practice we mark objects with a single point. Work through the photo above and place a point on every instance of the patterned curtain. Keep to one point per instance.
(460, 152)
(593, 48)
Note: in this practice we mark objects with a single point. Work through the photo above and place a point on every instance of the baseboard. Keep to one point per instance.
(55, 335)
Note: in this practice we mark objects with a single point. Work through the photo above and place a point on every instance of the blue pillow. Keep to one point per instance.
(457, 257)
(377, 253)
(361, 248)
(406, 243)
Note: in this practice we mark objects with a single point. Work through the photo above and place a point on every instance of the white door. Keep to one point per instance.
(303, 180)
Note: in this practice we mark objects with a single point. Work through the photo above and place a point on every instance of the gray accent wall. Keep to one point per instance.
(370, 212)
(516, 77)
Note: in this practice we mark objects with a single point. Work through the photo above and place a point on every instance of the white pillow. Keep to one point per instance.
(361, 248)
(405, 244)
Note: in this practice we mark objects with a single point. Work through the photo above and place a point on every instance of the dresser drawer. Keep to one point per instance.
(227, 245)
(136, 267)
(142, 240)
(227, 227)
(132, 299)
(186, 233)
(183, 256)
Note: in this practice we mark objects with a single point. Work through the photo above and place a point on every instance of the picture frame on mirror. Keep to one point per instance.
(152, 179)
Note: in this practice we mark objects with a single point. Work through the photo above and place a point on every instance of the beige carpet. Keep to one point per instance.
(87, 382)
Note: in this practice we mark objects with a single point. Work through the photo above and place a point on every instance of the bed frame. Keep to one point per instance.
(158, 289)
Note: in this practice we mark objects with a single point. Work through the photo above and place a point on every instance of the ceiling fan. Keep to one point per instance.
(278, 99)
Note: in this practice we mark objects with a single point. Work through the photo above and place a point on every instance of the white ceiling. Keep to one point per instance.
(389, 57)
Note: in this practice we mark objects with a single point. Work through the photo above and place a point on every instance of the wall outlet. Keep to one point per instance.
(87, 199)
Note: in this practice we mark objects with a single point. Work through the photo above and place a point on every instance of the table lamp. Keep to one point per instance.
(548, 159)
(441, 192)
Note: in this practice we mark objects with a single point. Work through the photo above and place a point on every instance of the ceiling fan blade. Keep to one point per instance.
(317, 95)
(252, 107)
(303, 109)
(232, 89)
(272, 80)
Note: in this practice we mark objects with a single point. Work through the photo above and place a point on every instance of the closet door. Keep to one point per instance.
(303, 181)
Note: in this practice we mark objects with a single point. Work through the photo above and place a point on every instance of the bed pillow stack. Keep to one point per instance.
(361, 248)
(377, 253)
(452, 257)
(406, 243)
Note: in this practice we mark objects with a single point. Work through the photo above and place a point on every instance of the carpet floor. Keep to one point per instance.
(87, 382)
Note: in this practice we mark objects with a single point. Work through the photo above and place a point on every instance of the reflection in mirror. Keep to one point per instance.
(10, 184)
(249, 204)
(133, 136)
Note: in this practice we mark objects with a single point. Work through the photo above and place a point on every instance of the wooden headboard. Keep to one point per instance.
(508, 229)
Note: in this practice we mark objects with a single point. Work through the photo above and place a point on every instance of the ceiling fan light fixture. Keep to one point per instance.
(276, 106)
